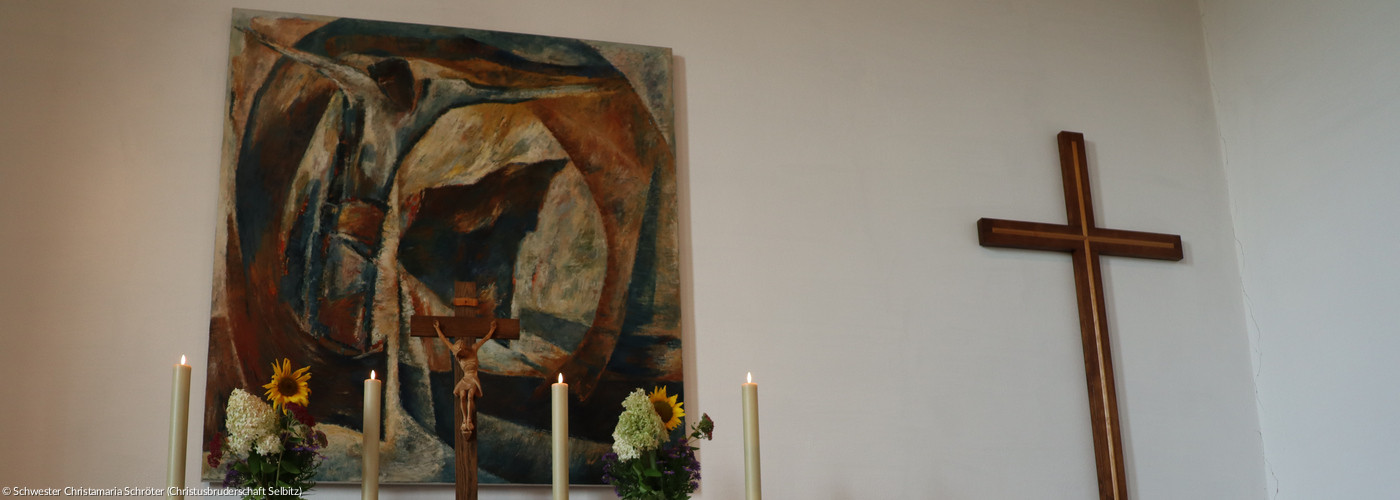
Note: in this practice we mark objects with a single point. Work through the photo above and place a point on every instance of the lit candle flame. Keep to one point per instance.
(371, 374)
(182, 359)
(561, 378)
(750, 378)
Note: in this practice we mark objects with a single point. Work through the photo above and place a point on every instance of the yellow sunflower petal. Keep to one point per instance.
(667, 408)
(288, 386)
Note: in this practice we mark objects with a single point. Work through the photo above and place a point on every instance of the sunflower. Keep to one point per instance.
(667, 407)
(286, 386)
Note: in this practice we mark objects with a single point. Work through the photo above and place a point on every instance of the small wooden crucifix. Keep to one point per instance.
(472, 319)
(1086, 242)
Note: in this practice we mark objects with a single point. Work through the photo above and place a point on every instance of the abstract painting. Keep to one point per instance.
(368, 166)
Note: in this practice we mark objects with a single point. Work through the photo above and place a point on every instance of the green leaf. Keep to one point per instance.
(290, 467)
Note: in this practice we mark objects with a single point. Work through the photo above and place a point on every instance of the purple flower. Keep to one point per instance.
(232, 477)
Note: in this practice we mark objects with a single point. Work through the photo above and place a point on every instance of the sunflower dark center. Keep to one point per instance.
(663, 409)
(287, 386)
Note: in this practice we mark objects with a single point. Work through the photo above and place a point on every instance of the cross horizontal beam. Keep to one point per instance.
(456, 326)
(1065, 238)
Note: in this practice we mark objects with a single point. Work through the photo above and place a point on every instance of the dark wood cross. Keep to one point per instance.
(472, 320)
(1086, 242)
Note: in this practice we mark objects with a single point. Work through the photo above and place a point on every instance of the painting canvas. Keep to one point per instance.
(369, 166)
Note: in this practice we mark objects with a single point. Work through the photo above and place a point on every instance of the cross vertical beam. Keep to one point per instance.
(1086, 242)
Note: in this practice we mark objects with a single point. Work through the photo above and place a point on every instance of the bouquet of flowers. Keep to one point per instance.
(642, 466)
(271, 450)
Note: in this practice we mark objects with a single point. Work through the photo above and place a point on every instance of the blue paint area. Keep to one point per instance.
(566, 334)
(641, 290)
(420, 411)
(526, 52)
(500, 210)
(280, 128)
(444, 404)
(486, 477)
(635, 356)
(294, 286)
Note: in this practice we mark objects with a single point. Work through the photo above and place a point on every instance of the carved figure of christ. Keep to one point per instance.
(1085, 242)
(468, 386)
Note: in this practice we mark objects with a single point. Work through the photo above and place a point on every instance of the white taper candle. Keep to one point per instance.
(369, 442)
(559, 393)
(179, 427)
(753, 488)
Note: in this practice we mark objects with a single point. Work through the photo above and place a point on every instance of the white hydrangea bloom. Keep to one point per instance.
(270, 444)
(639, 428)
(249, 420)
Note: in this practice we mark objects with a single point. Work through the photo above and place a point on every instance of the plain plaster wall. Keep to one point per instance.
(1309, 114)
(833, 159)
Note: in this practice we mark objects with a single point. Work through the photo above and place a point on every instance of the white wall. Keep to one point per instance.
(1310, 118)
(833, 159)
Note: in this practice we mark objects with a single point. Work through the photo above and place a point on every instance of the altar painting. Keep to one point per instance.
(368, 166)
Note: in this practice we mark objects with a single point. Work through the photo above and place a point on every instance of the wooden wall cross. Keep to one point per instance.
(472, 320)
(1086, 242)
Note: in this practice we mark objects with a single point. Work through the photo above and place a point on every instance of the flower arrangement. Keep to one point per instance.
(272, 450)
(642, 466)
